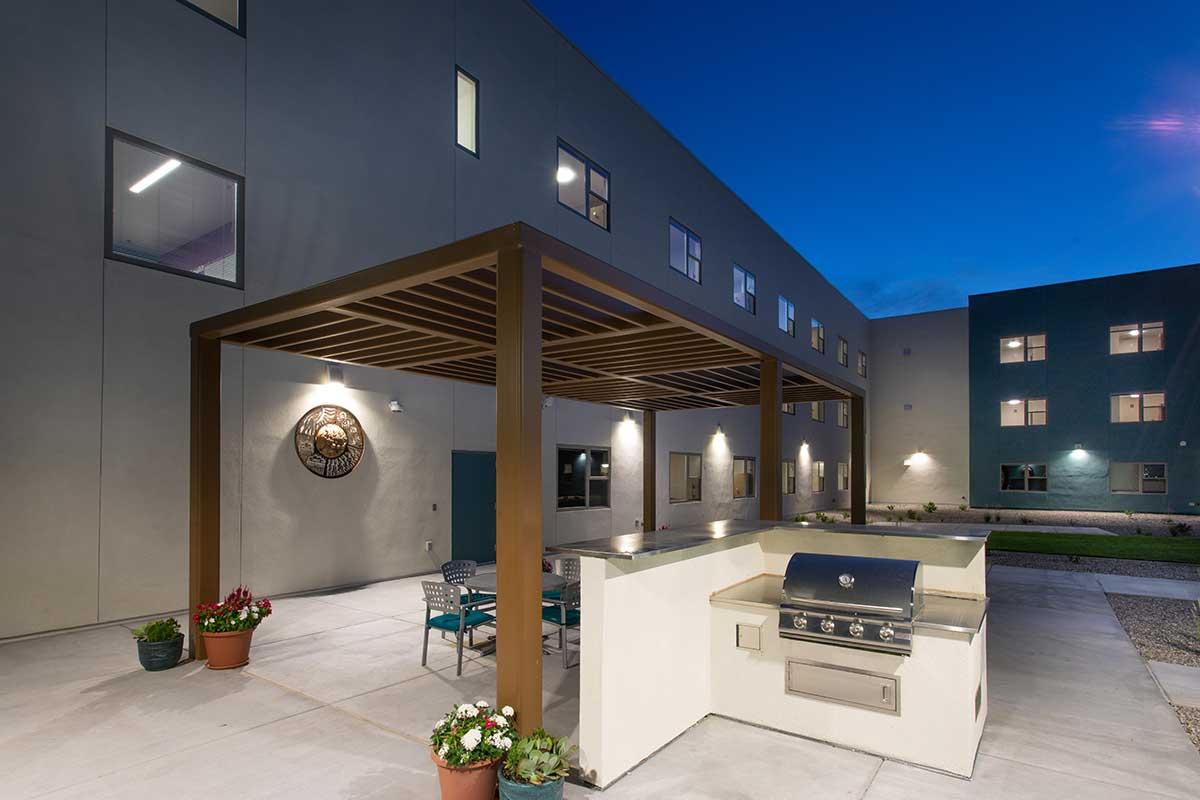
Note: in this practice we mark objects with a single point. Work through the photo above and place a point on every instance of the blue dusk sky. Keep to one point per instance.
(916, 153)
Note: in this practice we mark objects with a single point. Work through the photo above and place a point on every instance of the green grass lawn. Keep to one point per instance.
(1185, 549)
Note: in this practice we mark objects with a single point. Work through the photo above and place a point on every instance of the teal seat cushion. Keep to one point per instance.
(554, 614)
(449, 622)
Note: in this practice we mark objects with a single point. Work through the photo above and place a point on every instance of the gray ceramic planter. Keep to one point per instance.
(156, 656)
(525, 791)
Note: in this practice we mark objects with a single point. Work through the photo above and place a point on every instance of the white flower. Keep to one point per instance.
(441, 723)
(443, 750)
(212, 620)
(500, 741)
(507, 711)
(481, 704)
(245, 613)
(501, 722)
(505, 743)
(471, 739)
(467, 710)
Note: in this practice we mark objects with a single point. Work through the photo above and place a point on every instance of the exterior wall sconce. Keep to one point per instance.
(395, 407)
(1079, 452)
(334, 375)
(720, 430)
(917, 459)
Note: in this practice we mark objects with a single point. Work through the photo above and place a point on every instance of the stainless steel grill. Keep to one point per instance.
(851, 601)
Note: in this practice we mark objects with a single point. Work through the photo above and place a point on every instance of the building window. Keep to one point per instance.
(1023, 477)
(818, 335)
(170, 212)
(789, 408)
(1137, 337)
(685, 251)
(743, 477)
(862, 363)
(582, 477)
(787, 316)
(467, 111)
(1137, 478)
(1018, 413)
(1139, 407)
(789, 476)
(685, 477)
(1018, 349)
(818, 410)
(843, 352)
(843, 413)
(583, 186)
(744, 289)
(843, 476)
(818, 476)
(228, 13)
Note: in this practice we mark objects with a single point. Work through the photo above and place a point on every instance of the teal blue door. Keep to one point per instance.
(473, 506)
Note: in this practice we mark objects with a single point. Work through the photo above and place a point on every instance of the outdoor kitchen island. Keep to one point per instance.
(679, 624)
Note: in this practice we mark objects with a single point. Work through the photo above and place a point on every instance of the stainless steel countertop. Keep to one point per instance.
(652, 543)
(939, 612)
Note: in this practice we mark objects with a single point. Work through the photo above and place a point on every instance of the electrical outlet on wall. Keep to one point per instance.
(435, 506)
(429, 545)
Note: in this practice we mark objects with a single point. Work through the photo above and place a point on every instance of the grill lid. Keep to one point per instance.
(878, 586)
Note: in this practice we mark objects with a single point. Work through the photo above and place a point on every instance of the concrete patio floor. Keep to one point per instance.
(335, 704)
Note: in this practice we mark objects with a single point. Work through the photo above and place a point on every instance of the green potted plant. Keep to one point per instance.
(159, 644)
(467, 746)
(535, 767)
(228, 626)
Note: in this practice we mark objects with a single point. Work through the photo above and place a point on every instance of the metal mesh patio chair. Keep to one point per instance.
(456, 616)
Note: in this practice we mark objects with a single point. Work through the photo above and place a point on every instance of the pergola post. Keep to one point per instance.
(649, 471)
(770, 428)
(204, 537)
(858, 461)
(519, 484)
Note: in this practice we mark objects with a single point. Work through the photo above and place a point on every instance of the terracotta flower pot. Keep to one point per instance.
(228, 650)
(473, 782)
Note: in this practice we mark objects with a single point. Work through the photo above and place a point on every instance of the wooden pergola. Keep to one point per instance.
(520, 310)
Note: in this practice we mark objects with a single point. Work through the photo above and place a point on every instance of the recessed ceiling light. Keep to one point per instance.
(1014, 343)
(1133, 333)
(154, 177)
(1135, 396)
(564, 175)
(1014, 402)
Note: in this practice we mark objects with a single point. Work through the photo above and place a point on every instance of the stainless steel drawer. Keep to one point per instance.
(852, 687)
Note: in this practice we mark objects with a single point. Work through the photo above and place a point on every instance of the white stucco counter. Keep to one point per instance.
(660, 643)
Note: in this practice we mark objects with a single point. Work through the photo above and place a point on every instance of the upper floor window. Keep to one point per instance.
(843, 476)
(787, 316)
(1137, 337)
(1016, 349)
(818, 410)
(229, 13)
(743, 477)
(843, 352)
(173, 213)
(745, 292)
(685, 251)
(818, 476)
(862, 363)
(818, 335)
(466, 110)
(1023, 477)
(1023, 412)
(1137, 478)
(843, 413)
(582, 186)
(583, 474)
(789, 408)
(685, 477)
(1138, 407)
(789, 476)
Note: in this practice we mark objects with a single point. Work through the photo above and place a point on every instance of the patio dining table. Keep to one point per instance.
(485, 582)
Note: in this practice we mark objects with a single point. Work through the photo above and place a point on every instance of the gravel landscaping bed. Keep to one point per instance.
(1116, 522)
(1190, 719)
(1109, 566)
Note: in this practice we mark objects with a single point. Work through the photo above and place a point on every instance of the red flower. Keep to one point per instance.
(491, 723)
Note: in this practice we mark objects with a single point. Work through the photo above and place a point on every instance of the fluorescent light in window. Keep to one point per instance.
(1014, 343)
(154, 177)
(1014, 402)
(1135, 396)
(565, 175)
(1133, 333)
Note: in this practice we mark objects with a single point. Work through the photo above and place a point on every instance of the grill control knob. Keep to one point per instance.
(856, 629)
(887, 633)
(800, 621)
(827, 625)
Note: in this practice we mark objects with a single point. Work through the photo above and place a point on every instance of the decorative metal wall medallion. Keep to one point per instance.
(329, 441)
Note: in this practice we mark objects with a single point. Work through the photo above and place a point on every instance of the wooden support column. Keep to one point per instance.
(649, 471)
(770, 429)
(204, 537)
(519, 485)
(858, 461)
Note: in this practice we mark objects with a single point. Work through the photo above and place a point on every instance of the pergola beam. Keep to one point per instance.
(770, 427)
(204, 539)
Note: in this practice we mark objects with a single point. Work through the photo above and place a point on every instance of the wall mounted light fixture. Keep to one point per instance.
(395, 406)
(334, 375)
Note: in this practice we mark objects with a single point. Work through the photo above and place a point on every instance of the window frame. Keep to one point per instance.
(843, 352)
(1025, 348)
(1025, 469)
(788, 408)
(588, 477)
(589, 166)
(862, 364)
(817, 477)
(753, 463)
(1141, 398)
(789, 314)
(111, 136)
(1141, 477)
(752, 296)
(459, 69)
(240, 30)
(816, 334)
(787, 470)
(687, 455)
(843, 476)
(688, 235)
(1141, 337)
(820, 416)
(843, 413)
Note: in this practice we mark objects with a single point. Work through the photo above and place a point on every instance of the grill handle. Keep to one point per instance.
(848, 606)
